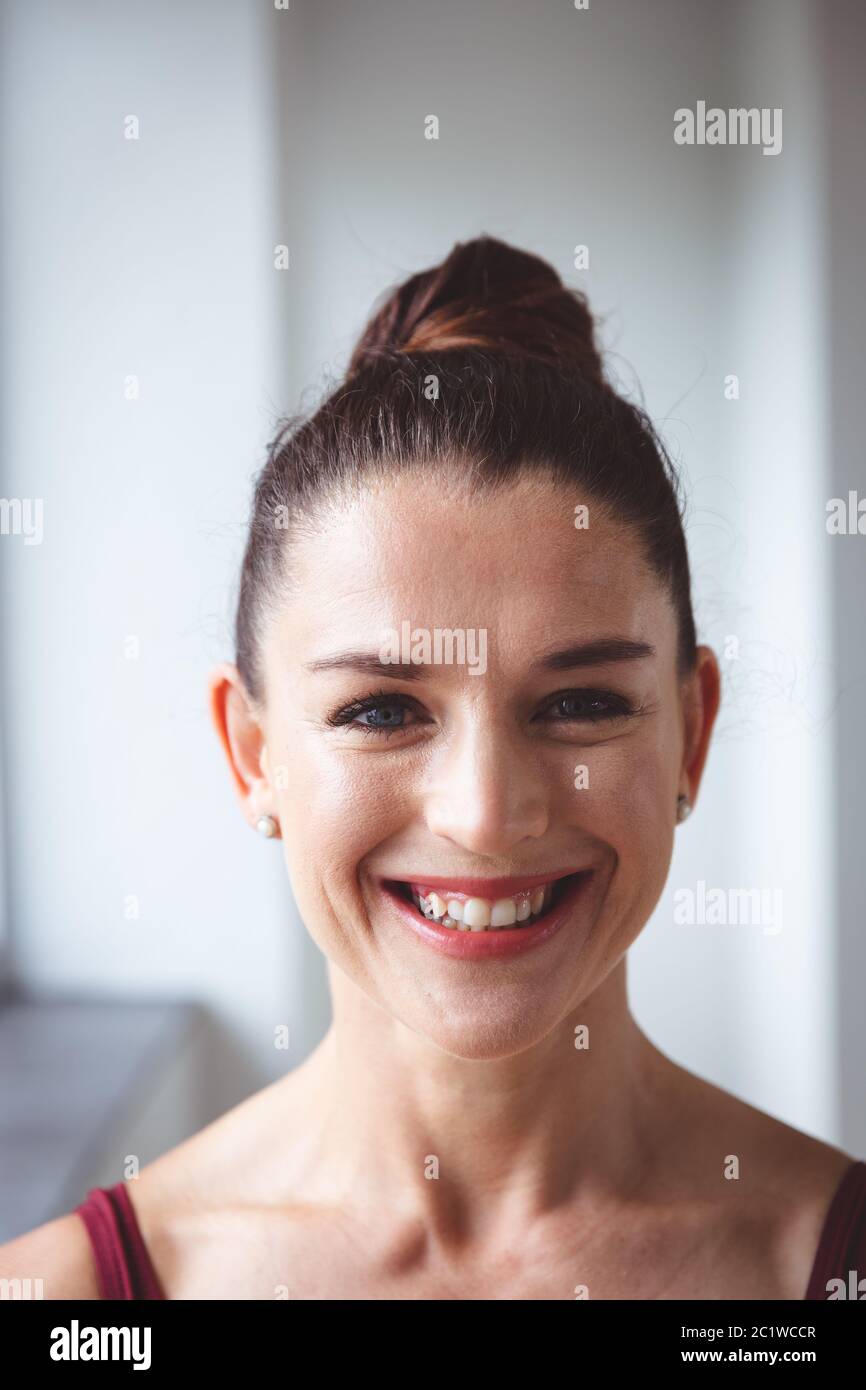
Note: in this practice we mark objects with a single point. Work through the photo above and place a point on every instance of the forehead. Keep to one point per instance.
(508, 559)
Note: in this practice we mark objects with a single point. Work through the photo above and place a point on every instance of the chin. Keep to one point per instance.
(505, 1023)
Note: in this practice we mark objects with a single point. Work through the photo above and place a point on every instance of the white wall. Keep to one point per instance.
(306, 127)
(840, 45)
(155, 258)
(756, 1012)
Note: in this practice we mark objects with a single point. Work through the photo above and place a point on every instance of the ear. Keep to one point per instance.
(240, 730)
(701, 697)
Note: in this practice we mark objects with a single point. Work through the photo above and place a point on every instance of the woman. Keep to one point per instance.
(469, 701)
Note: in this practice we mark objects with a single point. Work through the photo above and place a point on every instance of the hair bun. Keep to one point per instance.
(486, 296)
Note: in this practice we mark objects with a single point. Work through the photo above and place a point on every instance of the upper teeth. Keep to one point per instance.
(483, 914)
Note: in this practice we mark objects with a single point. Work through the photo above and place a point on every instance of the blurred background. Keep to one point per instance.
(154, 160)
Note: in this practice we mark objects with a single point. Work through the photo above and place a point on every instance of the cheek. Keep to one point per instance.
(628, 810)
(334, 808)
(627, 804)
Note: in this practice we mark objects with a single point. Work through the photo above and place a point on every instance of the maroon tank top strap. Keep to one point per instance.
(123, 1266)
(841, 1251)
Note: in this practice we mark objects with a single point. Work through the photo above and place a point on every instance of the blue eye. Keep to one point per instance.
(382, 716)
(383, 712)
(590, 706)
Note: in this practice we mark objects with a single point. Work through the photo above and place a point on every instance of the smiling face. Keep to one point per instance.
(524, 766)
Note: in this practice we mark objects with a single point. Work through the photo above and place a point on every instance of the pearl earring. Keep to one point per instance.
(684, 808)
(267, 826)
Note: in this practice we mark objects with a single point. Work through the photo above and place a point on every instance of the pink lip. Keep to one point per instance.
(482, 945)
(491, 888)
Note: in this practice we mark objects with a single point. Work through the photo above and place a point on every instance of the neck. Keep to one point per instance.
(401, 1122)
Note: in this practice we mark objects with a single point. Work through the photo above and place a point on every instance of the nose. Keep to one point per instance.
(488, 793)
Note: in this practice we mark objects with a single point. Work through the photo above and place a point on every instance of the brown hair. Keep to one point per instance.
(520, 386)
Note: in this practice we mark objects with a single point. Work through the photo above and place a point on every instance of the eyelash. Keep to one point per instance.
(618, 708)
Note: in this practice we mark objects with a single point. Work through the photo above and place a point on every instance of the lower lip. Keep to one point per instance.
(481, 945)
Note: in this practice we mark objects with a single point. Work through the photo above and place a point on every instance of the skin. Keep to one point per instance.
(558, 1169)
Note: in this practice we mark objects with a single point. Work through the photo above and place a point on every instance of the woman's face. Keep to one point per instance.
(497, 764)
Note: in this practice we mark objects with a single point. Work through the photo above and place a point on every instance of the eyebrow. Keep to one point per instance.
(602, 651)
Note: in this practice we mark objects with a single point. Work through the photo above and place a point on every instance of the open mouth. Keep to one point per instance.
(463, 912)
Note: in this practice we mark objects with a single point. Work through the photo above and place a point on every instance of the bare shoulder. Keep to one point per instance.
(769, 1154)
(177, 1200)
(228, 1187)
(771, 1182)
(54, 1260)
(236, 1153)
